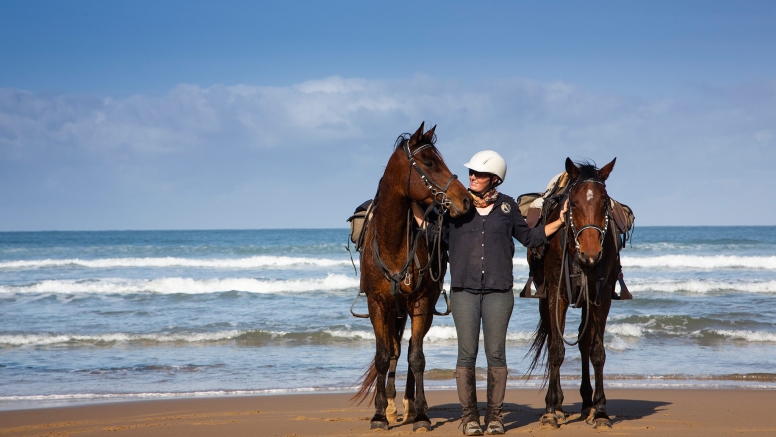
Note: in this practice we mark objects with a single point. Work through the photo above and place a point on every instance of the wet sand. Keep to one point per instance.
(636, 412)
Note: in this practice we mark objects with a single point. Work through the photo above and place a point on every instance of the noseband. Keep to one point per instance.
(437, 191)
(580, 278)
(434, 242)
(574, 230)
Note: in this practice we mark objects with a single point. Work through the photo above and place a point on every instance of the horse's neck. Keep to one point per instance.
(390, 222)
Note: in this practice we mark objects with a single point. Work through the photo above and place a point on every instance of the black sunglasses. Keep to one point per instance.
(478, 174)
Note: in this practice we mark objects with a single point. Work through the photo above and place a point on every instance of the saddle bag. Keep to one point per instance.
(524, 202)
(360, 217)
(623, 216)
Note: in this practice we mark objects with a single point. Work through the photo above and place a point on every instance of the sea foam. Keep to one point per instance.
(704, 286)
(213, 263)
(186, 285)
(750, 336)
(625, 330)
(51, 339)
(701, 262)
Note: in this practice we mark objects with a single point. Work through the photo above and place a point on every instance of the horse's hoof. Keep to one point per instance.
(587, 415)
(421, 426)
(550, 421)
(378, 425)
(390, 412)
(409, 411)
(561, 416)
(602, 423)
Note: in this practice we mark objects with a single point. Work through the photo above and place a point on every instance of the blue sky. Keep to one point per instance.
(200, 115)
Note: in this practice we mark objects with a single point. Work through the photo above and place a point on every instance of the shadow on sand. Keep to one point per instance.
(517, 416)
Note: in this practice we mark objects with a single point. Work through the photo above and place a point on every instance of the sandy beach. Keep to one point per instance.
(636, 412)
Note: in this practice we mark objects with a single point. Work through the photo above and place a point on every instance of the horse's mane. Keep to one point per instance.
(406, 137)
(587, 169)
(399, 141)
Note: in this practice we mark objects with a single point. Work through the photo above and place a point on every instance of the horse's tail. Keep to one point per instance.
(538, 347)
(368, 379)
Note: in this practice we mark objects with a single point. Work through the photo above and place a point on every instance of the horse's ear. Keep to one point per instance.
(571, 169)
(429, 136)
(418, 135)
(603, 173)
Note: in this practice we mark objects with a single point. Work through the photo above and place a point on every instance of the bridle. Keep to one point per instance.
(438, 192)
(579, 275)
(434, 241)
(570, 217)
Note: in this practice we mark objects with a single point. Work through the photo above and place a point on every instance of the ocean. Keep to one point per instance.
(98, 316)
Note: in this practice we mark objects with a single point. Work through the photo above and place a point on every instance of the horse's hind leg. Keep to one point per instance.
(598, 358)
(398, 327)
(585, 389)
(556, 353)
(417, 363)
(382, 326)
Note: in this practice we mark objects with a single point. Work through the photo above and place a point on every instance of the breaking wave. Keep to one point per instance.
(186, 285)
(749, 336)
(704, 286)
(213, 263)
(701, 262)
(436, 334)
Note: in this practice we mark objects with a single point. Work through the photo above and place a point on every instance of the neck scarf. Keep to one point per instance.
(487, 198)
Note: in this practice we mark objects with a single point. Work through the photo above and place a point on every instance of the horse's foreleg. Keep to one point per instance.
(585, 389)
(417, 363)
(409, 392)
(598, 358)
(390, 391)
(556, 352)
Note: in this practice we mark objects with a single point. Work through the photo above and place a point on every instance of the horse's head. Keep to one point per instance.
(588, 210)
(426, 176)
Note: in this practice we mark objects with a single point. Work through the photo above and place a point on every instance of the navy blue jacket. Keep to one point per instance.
(481, 247)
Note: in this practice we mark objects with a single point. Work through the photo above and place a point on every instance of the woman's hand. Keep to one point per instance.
(418, 214)
(553, 227)
(563, 211)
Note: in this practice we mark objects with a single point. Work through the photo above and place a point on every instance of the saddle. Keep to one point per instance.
(359, 223)
(536, 207)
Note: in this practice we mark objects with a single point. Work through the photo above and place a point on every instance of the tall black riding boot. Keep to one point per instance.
(497, 386)
(466, 383)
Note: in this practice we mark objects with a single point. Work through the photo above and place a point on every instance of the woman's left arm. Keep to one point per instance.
(551, 228)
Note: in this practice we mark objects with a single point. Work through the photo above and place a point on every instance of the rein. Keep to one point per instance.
(439, 193)
(434, 244)
(579, 274)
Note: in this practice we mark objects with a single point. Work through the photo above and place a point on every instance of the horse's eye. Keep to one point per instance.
(429, 164)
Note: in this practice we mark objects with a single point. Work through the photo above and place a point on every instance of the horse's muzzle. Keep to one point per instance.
(456, 211)
(587, 262)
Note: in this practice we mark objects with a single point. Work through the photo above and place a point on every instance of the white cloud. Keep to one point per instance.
(680, 147)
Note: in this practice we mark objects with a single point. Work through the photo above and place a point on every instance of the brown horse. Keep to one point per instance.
(580, 268)
(402, 271)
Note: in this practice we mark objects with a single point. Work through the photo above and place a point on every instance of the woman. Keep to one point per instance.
(481, 251)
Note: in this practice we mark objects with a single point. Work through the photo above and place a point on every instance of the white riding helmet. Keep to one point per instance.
(488, 161)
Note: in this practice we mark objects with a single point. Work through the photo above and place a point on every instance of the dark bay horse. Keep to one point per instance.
(580, 268)
(402, 273)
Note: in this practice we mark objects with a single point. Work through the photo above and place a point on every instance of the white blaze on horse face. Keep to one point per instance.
(589, 195)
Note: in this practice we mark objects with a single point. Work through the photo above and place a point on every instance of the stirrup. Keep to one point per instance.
(540, 293)
(624, 293)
